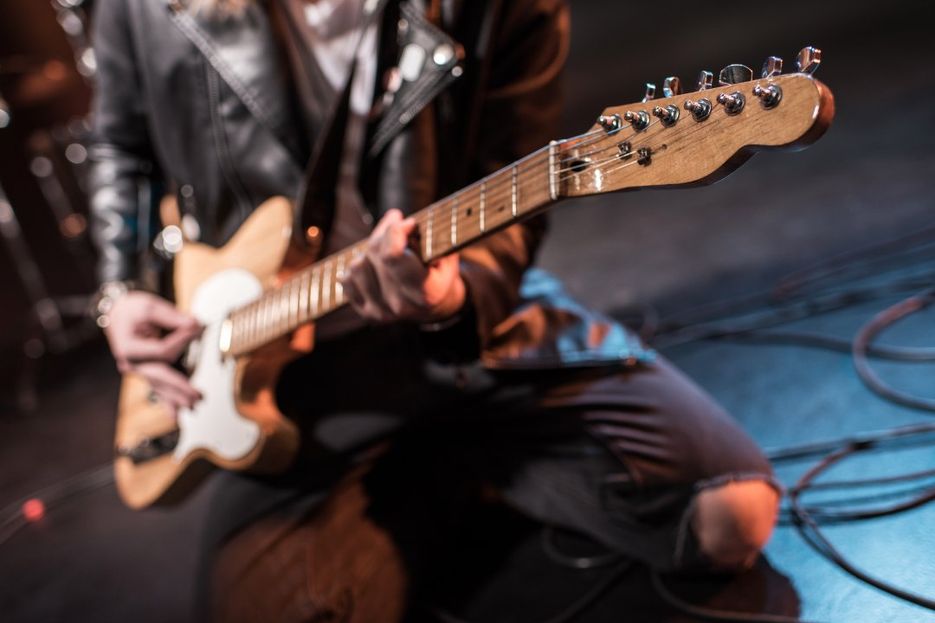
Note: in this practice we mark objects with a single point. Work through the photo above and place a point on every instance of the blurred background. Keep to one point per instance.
(814, 243)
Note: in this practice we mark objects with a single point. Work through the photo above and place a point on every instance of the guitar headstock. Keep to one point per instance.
(698, 137)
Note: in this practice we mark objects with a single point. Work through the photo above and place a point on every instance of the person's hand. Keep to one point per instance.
(390, 282)
(146, 334)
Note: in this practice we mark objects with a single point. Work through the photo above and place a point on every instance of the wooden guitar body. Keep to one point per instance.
(237, 425)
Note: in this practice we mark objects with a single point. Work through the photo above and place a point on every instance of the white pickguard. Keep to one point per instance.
(214, 424)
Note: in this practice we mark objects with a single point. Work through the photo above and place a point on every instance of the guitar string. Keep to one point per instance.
(543, 158)
(633, 151)
(253, 308)
(283, 322)
(294, 282)
(573, 158)
(536, 154)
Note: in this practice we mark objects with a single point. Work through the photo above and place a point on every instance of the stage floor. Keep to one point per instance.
(869, 180)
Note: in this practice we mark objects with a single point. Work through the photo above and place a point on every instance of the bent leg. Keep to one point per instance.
(657, 472)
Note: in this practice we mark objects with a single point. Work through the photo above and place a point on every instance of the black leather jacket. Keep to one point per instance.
(205, 105)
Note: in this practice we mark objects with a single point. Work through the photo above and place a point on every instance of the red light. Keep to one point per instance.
(33, 510)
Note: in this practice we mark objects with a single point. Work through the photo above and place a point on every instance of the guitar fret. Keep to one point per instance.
(240, 324)
(258, 320)
(487, 205)
(338, 275)
(293, 302)
(234, 328)
(429, 233)
(483, 206)
(326, 287)
(278, 309)
(553, 181)
(255, 320)
(247, 319)
(303, 297)
(514, 191)
(244, 340)
(273, 313)
(270, 317)
(454, 222)
(260, 315)
(277, 312)
(316, 292)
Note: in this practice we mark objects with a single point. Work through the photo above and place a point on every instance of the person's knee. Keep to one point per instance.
(733, 522)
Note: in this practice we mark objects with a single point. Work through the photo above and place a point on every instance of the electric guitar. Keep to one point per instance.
(259, 295)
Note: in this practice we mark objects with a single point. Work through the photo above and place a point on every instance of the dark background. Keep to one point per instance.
(868, 181)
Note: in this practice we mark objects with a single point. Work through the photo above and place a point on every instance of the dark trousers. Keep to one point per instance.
(616, 454)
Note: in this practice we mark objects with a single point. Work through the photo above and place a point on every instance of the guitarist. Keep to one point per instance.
(474, 367)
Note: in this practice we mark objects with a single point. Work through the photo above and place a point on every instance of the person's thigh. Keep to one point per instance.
(650, 446)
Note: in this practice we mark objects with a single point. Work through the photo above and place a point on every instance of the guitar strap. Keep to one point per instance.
(329, 122)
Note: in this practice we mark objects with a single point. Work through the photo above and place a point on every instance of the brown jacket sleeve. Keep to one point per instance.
(520, 111)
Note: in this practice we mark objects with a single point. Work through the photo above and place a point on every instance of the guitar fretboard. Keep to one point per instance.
(498, 200)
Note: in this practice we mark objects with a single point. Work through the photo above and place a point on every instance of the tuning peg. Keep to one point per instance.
(734, 74)
(671, 86)
(808, 60)
(705, 80)
(771, 67)
(639, 119)
(650, 92)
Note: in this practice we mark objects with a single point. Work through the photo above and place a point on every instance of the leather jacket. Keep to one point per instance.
(204, 104)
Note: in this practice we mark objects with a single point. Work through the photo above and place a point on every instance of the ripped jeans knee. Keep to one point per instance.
(727, 523)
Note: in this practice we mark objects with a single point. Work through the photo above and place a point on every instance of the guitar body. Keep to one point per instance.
(237, 425)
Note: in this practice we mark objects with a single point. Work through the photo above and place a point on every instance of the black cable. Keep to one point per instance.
(810, 531)
(771, 298)
(833, 343)
(910, 434)
(879, 496)
(676, 334)
(866, 482)
(830, 516)
(869, 332)
(848, 260)
(827, 512)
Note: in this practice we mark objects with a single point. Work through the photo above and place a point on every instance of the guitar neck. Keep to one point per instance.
(497, 201)
(680, 140)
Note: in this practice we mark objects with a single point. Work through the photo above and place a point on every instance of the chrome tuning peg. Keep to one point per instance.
(650, 92)
(808, 60)
(705, 80)
(671, 86)
(771, 67)
(734, 74)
